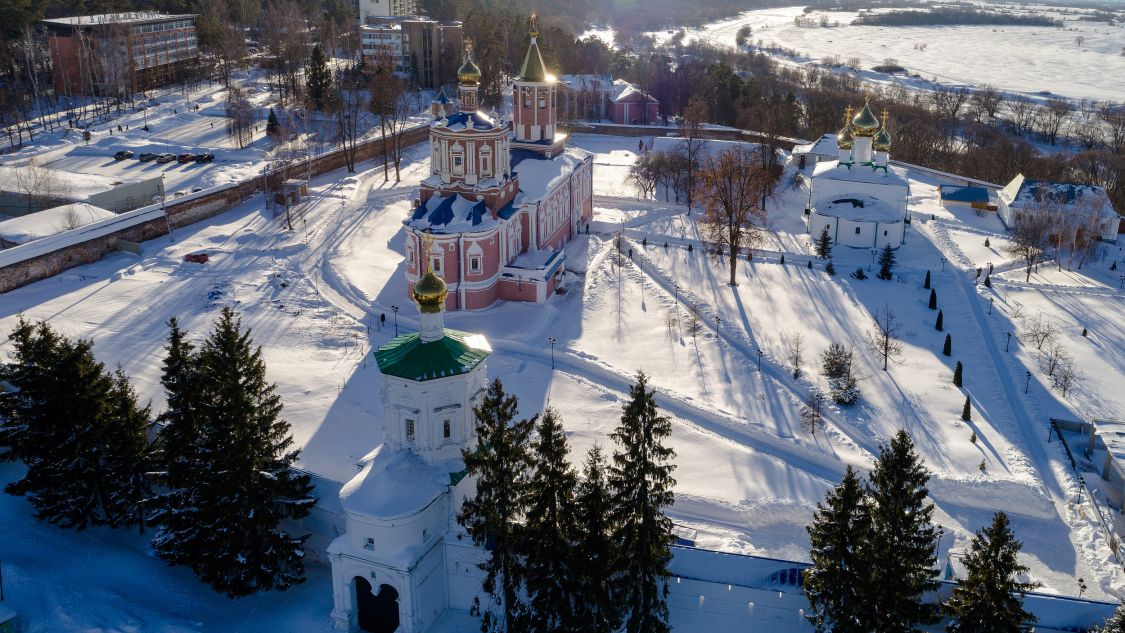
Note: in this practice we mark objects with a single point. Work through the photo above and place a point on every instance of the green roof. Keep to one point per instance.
(408, 356)
(533, 65)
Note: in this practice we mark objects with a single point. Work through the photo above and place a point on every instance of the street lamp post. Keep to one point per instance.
(872, 256)
(395, 310)
(990, 300)
(1009, 342)
(552, 340)
(1122, 285)
(759, 360)
(943, 264)
(1028, 385)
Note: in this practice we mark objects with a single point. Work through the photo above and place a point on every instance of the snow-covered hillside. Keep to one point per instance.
(748, 474)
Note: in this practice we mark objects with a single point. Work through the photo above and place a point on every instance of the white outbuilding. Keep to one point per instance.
(1079, 207)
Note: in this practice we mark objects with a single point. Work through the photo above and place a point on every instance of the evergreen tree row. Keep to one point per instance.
(216, 482)
(874, 558)
(571, 553)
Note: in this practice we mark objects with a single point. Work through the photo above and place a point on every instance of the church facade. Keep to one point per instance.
(503, 198)
(860, 198)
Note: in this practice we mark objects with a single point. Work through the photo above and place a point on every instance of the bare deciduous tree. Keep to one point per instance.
(883, 338)
(42, 188)
(1022, 113)
(1066, 376)
(812, 414)
(730, 185)
(794, 351)
(1050, 118)
(986, 102)
(948, 101)
(1029, 237)
(694, 145)
(240, 117)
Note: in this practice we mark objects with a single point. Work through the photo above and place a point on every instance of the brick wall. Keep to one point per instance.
(181, 213)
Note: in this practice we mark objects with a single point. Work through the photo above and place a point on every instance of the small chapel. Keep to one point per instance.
(403, 560)
(503, 198)
(860, 198)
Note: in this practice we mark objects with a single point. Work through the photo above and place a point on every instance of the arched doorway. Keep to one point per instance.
(377, 612)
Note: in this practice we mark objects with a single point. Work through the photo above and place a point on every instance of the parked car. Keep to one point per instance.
(146, 156)
(122, 155)
(196, 188)
(204, 158)
(165, 158)
(186, 158)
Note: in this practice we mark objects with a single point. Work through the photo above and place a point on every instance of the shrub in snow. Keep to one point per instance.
(988, 281)
(933, 299)
(838, 366)
(986, 243)
(938, 324)
(973, 437)
(967, 411)
(859, 273)
(830, 268)
(927, 283)
(957, 378)
(947, 349)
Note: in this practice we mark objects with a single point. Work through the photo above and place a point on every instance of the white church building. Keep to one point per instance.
(860, 198)
(396, 565)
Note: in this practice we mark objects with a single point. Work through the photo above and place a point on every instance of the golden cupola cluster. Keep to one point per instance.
(845, 137)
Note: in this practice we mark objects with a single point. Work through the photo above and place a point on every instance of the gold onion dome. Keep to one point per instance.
(468, 73)
(430, 293)
(882, 140)
(845, 138)
(865, 123)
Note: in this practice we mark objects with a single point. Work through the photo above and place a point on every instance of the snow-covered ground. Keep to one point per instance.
(748, 475)
(1020, 59)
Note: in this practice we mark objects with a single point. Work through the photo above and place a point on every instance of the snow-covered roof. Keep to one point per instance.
(396, 483)
(859, 208)
(831, 170)
(1025, 192)
(72, 185)
(51, 222)
(586, 82)
(823, 146)
(625, 91)
(539, 176)
(451, 214)
(1112, 433)
(132, 17)
(466, 120)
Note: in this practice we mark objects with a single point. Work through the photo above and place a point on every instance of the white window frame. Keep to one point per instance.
(409, 430)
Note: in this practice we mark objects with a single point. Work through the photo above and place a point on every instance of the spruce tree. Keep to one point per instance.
(273, 127)
(839, 536)
(967, 410)
(175, 507)
(987, 243)
(128, 455)
(830, 268)
(990, 598)
(595, 607)
(500, 462)
(958, 375)
(78, 431)
(838, 366)
(641, 480)
(903, 539)
(939, 324)
(244, 482)
(926, 285)
(29, 408)
(886, 263)
(947, 349)
(823, 245)
(933, 299)
(319, 82)
(988, 281)
(551, 557)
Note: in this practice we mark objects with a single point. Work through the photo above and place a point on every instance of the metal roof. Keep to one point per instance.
(408, 356)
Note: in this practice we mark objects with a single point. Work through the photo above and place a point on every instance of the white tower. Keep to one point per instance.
(389, 568)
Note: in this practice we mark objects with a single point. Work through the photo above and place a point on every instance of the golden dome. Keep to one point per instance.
(430, 293)
(882, 141)
(845, 138)
(468, 73)
(865, 123)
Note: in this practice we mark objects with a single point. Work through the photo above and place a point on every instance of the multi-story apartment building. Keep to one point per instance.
(385, 8)
(422, 49)
(118, 53)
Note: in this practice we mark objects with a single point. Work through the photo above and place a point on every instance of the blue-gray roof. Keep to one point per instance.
(475, 120)
(957, 193)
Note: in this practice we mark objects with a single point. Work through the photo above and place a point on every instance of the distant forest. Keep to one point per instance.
(950, 15)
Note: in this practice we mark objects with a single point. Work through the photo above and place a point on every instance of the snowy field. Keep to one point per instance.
(748, 475)
(1019, 59)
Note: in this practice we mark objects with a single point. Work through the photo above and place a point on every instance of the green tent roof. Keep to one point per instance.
(533, 69)
(408, 356)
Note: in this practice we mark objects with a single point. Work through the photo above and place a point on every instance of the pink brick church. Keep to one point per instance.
(501, 201)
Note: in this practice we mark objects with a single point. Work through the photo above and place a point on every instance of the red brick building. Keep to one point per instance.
(120, 53)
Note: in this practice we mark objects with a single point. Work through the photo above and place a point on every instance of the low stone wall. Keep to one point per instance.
(180, 212)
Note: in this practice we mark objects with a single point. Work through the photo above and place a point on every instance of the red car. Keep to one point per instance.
(186, 158)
